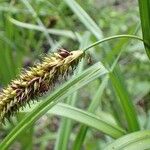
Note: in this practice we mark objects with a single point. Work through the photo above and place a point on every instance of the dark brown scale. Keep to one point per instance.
(33, 80)
(18, 91)
(43, 87)
(64, 53)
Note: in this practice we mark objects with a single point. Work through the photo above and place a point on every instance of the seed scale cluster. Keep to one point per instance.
(37, 80)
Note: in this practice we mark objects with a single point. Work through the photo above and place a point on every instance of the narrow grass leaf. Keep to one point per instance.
(34, 14)
(65, 33)
(125, 100)
(85, 18)
(135, 141)
(93, 106)
(6, 61)
(88, 119)
(144, 7)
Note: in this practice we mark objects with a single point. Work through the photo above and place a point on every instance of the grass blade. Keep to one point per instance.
(94, 104)
(88, 118)
(144, 7)
(6, 59)
(58, 32)
(84, 18)
(137, 140)
(125, 100)
(34, 14)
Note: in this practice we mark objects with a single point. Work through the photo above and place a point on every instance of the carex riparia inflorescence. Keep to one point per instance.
(35, 81)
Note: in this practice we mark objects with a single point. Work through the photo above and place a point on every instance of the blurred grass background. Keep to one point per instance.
(31, 30)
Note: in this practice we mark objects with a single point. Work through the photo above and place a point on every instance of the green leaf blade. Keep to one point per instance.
(94, 104)
(125, 101)
(88, 119)
(144, 8)
(137, 140)
(84, 18)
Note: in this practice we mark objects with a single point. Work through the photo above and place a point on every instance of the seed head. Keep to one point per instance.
(37, 80)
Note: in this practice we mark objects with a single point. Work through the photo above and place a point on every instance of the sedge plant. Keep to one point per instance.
(38, 83)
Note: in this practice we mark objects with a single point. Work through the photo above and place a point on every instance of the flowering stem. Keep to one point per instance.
(111, 38)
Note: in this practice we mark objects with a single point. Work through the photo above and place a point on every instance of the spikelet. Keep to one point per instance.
(37, 80)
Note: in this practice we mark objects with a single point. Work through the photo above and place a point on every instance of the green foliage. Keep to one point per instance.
(140, 140)
(144, 7)
(105, 104)
(125, 101)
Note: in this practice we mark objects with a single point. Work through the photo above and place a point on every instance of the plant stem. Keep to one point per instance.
(111, 38)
